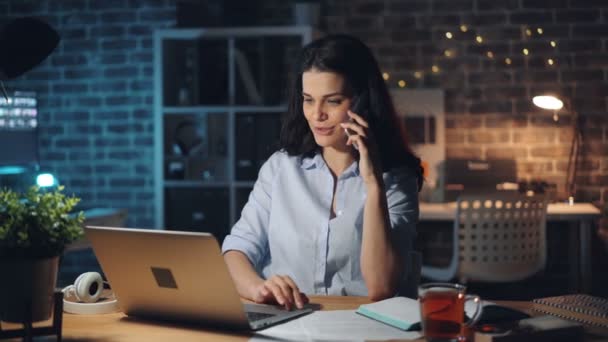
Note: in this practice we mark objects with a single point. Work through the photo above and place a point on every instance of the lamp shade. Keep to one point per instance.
(25, 43)
(548, 102)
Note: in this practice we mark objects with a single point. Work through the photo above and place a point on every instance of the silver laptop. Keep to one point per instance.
(177, 276)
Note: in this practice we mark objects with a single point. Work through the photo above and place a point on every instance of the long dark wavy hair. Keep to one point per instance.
(353, 60)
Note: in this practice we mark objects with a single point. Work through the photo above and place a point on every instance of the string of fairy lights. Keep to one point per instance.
(527, 34)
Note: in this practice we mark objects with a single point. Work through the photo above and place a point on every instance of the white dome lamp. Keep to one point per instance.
(551, 102)
(548, 102)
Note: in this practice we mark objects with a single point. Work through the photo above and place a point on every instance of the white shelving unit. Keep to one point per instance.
(208, 83)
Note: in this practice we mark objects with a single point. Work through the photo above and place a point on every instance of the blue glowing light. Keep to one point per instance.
(45, 180)
(11, 170)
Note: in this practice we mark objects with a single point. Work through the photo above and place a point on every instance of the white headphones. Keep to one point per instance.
(87, 289)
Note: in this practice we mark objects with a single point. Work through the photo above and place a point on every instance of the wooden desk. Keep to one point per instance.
(118, 327)
(555, 211)
(579, 216)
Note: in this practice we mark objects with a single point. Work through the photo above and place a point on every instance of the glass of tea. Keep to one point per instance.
(442, 311)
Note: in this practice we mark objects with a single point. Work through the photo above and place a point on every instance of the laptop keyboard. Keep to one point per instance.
(256, 316)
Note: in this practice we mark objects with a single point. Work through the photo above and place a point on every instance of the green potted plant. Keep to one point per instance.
(35, 227)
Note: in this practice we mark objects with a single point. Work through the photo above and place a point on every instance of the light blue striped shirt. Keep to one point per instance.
(285, 227)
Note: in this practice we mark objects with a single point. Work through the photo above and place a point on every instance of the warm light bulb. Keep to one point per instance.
(525, 51)
(490, 54)
(448, 53)
(449, 35)
(402, 83)
(528, 32)
(553, 43)
(548, 102)
(385, 75)
(508, 61)
(539, 30)
(479, 39)
(550, 61)
(435, 69)
(464, 28)
(417, 74)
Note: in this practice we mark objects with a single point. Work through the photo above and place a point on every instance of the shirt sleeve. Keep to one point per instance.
(402, 198)
(249, 234)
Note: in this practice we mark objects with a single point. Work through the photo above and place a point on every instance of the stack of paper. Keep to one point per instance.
(339, 325)
(391, 319)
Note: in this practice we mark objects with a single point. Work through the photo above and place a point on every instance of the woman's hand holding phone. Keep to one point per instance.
(349, 133)
(359, 106)
(365, 144)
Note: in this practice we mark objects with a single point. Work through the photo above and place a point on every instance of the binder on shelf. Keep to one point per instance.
(245, 165)
(190, 209)
(267, 128)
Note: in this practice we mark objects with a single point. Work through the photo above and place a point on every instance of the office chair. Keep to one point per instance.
(497, 238)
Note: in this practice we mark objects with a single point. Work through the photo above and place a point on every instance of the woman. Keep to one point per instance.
(334, 210)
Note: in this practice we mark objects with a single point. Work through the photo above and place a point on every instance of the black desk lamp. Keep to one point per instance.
(24, 43)
(552, 102)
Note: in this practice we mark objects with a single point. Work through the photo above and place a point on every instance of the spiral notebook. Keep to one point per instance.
(582, 308)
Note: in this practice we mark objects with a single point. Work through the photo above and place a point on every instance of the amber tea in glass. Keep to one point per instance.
(442, 311)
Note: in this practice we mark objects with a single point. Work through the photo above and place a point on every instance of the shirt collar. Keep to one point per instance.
(312, 162)
(317, 161)
(353, 170)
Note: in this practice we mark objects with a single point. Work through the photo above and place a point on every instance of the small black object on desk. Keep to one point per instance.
(502, 324)
(28, 331)
(493, 314)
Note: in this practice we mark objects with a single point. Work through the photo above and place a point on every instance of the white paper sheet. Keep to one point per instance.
(337, 325)
(340, 325)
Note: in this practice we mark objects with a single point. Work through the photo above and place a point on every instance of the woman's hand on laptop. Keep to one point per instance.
(280, 289)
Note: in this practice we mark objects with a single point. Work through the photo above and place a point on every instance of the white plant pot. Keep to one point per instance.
(27, 288)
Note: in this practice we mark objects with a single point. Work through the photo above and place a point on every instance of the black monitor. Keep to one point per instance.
(19, 130)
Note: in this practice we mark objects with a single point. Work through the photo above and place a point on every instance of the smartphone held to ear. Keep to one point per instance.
(360, 107)
(349, 133)
(360, 104)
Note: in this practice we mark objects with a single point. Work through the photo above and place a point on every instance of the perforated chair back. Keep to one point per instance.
(497, 238)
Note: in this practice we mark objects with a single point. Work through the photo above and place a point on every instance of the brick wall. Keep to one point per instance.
(96, 95)
(488, 102)
(96, 90)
